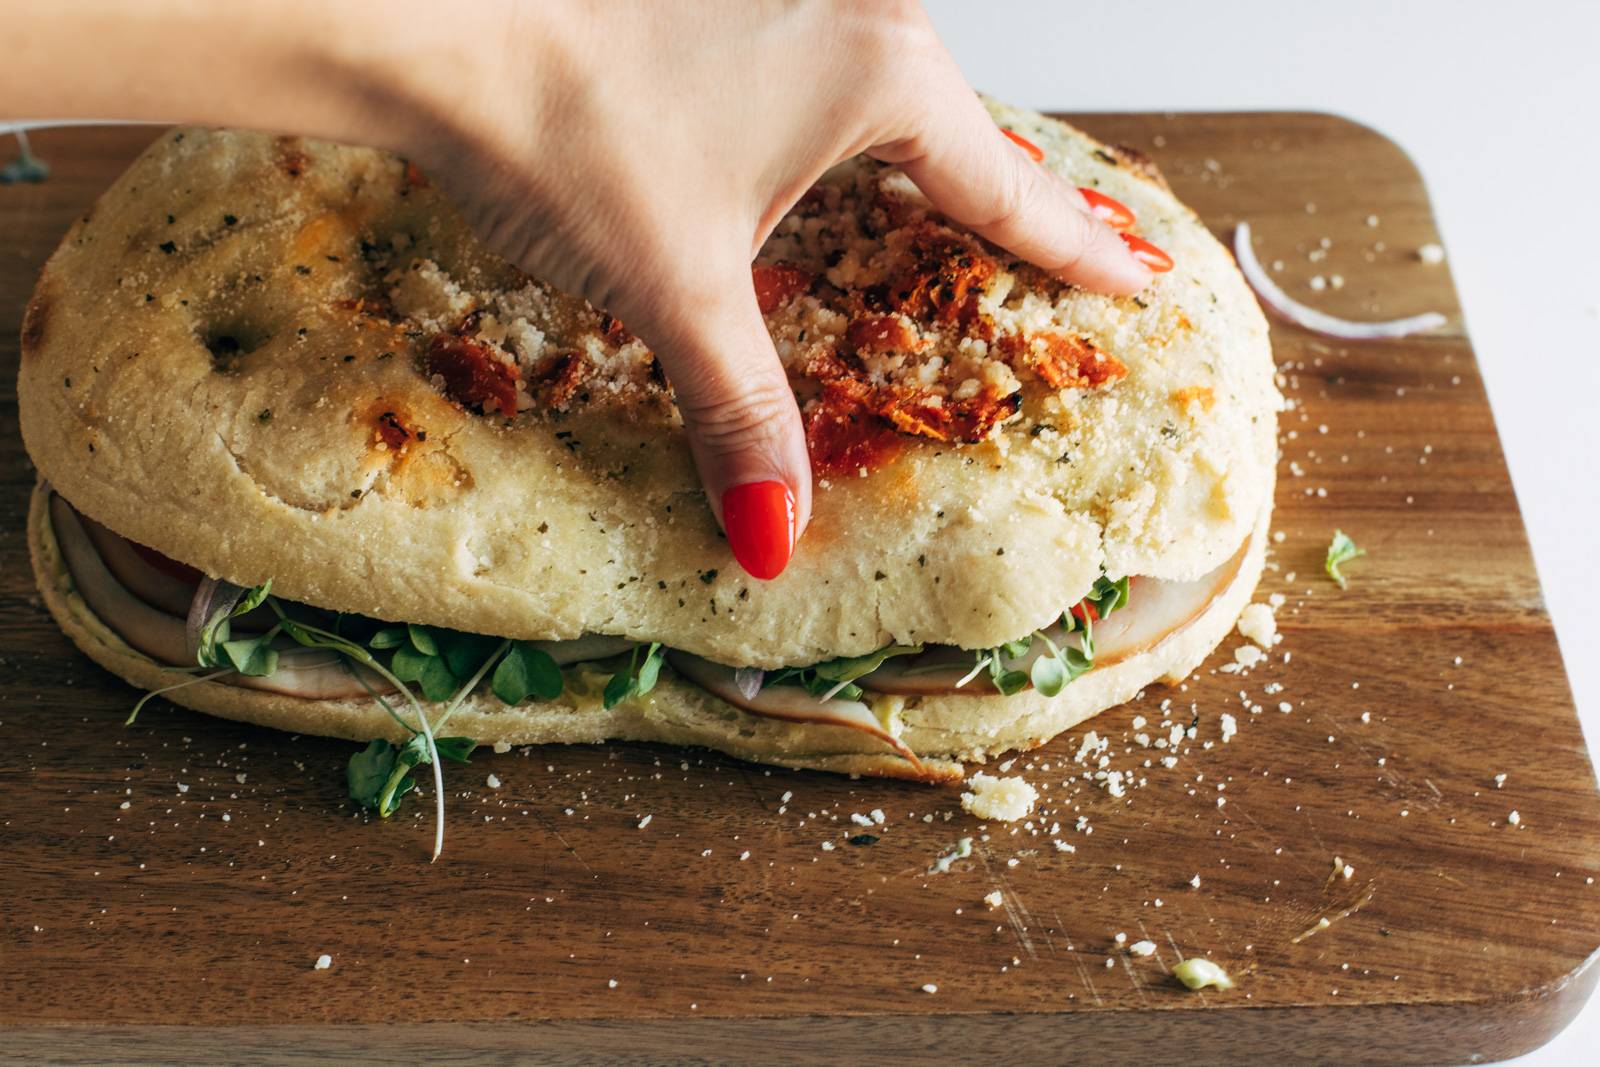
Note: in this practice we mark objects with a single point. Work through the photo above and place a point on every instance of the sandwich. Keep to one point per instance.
(310, 456)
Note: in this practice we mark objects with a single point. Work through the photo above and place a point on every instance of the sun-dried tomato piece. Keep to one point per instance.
(947, 274)
(476, 374)
(968, 420)
(1064, 361)
(778, 283)
(843, 436)
(558, 383)
(897, 210)
(614, 332)
(882, 333)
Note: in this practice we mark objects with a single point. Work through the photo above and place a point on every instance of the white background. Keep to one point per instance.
(1499, 104)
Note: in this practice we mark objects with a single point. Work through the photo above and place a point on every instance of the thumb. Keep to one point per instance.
(743, 425)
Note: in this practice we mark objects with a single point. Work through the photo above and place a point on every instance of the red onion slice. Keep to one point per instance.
(309, 673)
(1312, 319)
(748, 681)
(212, 597)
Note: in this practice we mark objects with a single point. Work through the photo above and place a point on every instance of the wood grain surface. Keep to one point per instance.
(166, 888)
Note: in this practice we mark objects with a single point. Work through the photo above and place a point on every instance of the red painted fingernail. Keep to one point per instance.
(1147, 253)
(1112, 212)
(760, 520)
(1026, 145)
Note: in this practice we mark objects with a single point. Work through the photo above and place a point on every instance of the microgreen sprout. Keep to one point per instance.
(637, 678)
(1341, 550)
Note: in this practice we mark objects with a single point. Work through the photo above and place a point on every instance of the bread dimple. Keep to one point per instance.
(237, 360)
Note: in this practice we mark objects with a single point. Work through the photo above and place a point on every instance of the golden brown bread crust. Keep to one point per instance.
(226, 387)
(944, 730)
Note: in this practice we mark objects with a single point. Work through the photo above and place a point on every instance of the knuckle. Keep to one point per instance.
(738, 415)
(1008, 210)
(1081, 237)
(890, 35)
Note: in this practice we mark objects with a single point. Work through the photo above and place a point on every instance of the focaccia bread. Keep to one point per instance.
(278, 358)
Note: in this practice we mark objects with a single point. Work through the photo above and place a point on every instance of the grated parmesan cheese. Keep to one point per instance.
(1000, 799)
(1258, 624)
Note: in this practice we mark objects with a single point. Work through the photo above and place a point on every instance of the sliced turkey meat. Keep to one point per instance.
(786, 702)
(1157, 609)
(582, 649)
(133, 571)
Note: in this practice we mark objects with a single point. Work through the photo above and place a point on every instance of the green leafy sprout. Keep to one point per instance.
(1341, 550)
(835, 678)
(446, 666)
(637, 677)
(443, 666)
(1053, 669)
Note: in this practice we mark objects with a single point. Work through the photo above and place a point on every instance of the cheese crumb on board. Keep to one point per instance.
(1000, 799)
(1431, 254)
(962, 850)
(1142, 948)
(930, 988)
(502, 747)
(1197, 973)
(324, 961)
(994, 899)
(1258, 624)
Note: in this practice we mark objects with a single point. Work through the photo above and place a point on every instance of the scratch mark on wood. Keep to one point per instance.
(1133, 976)
(1015, 910)
(564, 842)
(1326, 921)
(1083, 973)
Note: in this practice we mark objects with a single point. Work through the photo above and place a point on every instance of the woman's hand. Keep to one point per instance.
(640, 154)
(636, 154)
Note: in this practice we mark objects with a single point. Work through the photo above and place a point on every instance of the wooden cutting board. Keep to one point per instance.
(166, 888)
